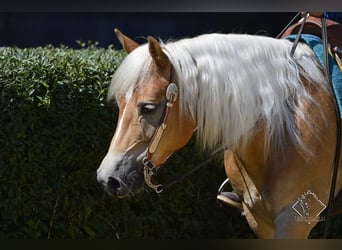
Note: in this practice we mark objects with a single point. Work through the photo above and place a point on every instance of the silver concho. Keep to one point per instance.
(172, 89)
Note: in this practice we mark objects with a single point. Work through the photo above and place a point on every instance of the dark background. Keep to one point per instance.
(32, 29)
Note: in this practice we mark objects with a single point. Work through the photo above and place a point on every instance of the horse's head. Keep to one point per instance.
(143, 104)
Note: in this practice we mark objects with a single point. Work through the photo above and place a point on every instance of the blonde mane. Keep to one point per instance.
(228, 83)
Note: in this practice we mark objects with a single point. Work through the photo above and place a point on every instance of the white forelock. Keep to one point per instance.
(130, 72)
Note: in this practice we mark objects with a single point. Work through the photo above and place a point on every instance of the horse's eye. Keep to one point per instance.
(147, 108)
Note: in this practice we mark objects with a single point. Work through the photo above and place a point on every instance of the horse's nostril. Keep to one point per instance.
(113, 185)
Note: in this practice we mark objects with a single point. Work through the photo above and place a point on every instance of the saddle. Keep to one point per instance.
(313, 26)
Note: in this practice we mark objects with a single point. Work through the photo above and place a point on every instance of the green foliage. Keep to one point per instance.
(55, 130)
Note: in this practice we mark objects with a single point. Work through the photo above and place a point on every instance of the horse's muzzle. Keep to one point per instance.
(120, 175)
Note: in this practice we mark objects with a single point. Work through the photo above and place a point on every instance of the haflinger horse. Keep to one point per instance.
(271, 112)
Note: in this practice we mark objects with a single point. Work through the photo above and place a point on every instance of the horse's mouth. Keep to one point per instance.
(123, 193)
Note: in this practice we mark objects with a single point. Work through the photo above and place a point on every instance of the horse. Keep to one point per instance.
(271, 112)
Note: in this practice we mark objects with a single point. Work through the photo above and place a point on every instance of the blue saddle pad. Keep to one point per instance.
(335, 74)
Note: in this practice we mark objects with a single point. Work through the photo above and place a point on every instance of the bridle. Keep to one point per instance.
(149, 168)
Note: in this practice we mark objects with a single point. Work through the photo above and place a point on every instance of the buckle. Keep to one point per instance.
(149, 170)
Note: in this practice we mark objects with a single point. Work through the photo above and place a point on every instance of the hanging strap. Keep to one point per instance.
(338, 130)
(295, 43)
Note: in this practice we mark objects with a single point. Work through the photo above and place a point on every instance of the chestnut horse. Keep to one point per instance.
(272, 112)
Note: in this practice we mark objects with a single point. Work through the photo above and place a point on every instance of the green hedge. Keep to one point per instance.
(55, 130)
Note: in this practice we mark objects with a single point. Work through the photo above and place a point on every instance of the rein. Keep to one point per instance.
(158, 188)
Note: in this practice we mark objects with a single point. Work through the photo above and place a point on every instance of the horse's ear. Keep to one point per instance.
(156, 52)
(127, 43)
